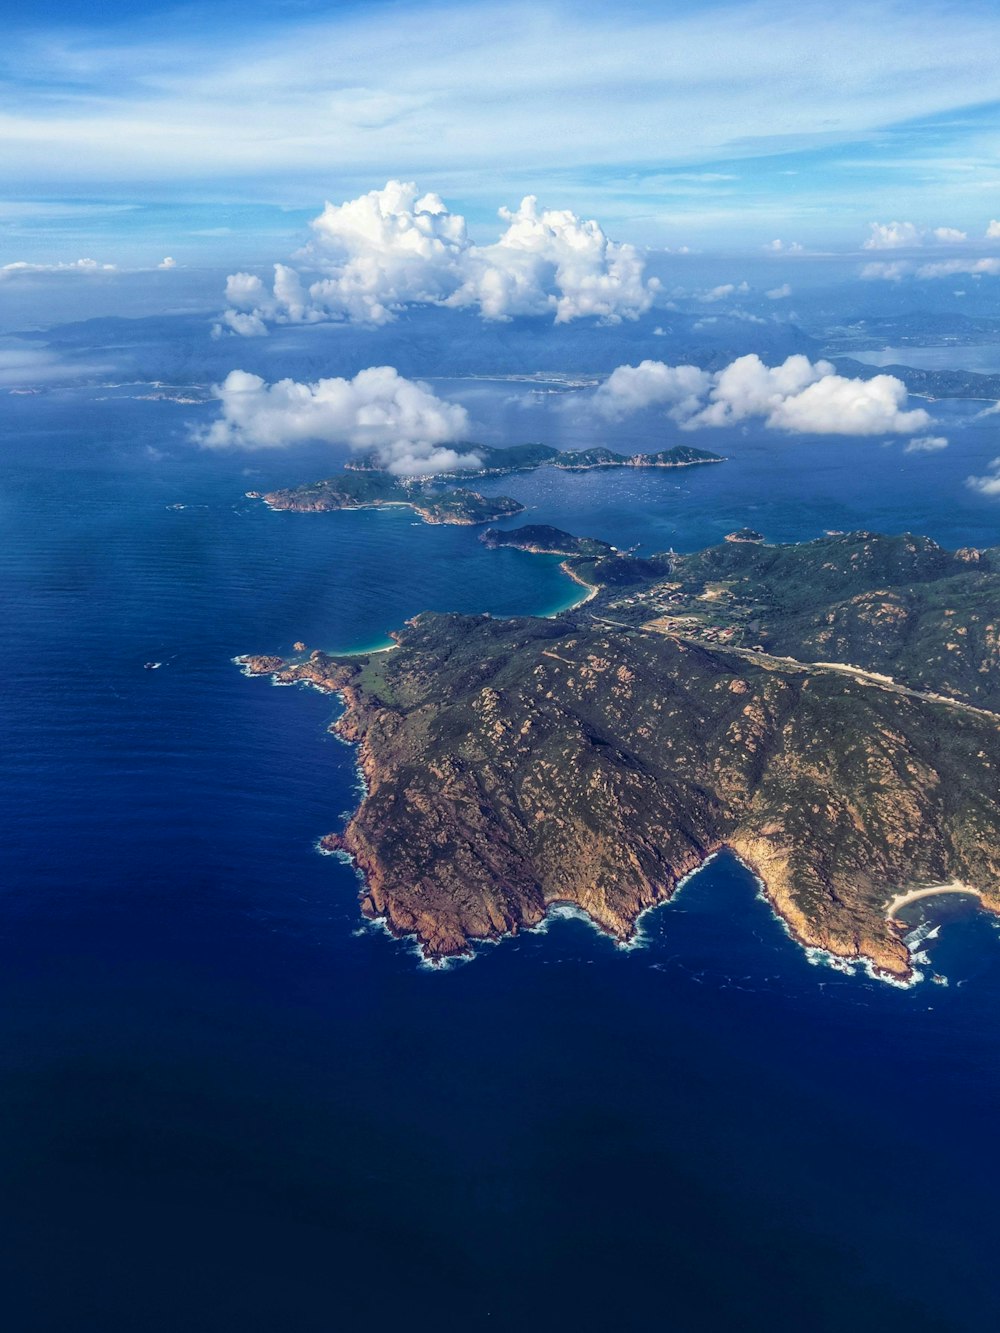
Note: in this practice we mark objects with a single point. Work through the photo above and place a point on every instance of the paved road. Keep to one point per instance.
(871, 678)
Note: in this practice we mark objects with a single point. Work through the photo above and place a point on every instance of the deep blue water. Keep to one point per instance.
(225, 1105)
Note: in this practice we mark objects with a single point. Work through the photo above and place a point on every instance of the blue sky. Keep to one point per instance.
(213, 132)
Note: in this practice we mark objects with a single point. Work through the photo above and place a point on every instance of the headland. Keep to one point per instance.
(696, 702)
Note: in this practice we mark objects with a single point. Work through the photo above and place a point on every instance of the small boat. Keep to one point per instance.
(151, 666)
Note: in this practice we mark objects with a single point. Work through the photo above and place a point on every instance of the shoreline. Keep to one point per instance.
(425, 515)
(633, 941)
(366, 870)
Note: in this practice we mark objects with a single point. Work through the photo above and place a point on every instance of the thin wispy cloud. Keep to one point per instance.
(574, 96)
(898, 269)
(23, 368)
(20, 268)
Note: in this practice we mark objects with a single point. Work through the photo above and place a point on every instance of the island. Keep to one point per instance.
(828, 711)
(373, 490)
(498, 461)
(541, 539)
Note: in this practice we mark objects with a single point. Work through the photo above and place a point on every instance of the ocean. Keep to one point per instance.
(228, 1104)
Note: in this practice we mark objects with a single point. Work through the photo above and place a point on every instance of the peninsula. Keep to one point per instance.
(829, 711)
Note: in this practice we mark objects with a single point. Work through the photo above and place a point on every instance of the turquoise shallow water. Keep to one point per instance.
(226, 1104)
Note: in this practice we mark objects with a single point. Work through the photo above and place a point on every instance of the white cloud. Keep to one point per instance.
(947, 268)
(993, 231)
(926, 444)
(652, 383)
(167, 262)
(21, 269)
(989, 484)
(893, 271)
(388, 248)
(724, 291)
(892, 235)
(22, 366)
(550, 260)
(780, 247)
(908, 236)
(898, 269)
(834, 405)
(408, 425)
(394, 247)
(798, 395)
(779, 293)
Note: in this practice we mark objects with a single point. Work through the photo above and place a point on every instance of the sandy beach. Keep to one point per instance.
(592, 589)
(930, 891)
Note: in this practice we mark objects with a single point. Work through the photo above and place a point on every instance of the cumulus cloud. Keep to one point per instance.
(550, 260)
(993, 231)
(653, 384)
(378, 409)
(989, 484)
(167, 262)
(892, 235)
(724, 291)
(779, 247)
(798, 395)
(779, 293)
(390, 248)
(926, 444)
(908, 236)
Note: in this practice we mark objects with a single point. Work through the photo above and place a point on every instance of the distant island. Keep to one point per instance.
(373, 490)
(367, 484)
(497, 462)
(829, 711)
